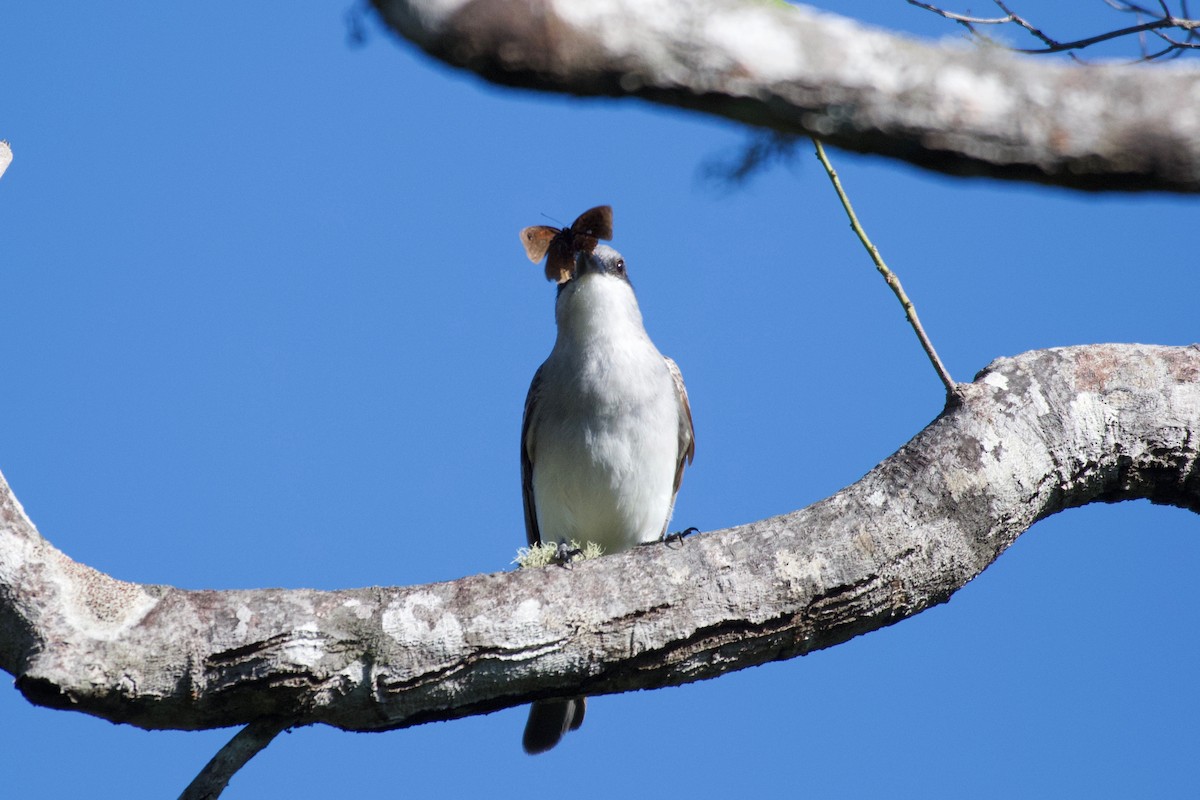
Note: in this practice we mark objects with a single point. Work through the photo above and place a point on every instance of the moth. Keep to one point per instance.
(559, 245)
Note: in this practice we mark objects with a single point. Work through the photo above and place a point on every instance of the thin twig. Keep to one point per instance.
(1058, 47)
(1175, 42)
(910, 311)
(215, 776)
(1025, 24)
(950, 15)
(1159, 20)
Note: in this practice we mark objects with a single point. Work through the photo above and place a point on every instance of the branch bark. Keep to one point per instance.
(1032, 435)
(959, 110)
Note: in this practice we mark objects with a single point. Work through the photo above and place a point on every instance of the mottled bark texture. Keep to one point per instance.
(1032, 435)
(956, 108)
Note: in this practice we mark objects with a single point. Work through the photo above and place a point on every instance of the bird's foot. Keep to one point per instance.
(566, 553)
(677, 536)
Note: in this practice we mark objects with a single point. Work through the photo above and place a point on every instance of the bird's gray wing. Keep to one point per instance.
(532, 534)
(687, 433)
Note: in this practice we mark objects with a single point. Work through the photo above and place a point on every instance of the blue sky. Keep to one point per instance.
(267, 322)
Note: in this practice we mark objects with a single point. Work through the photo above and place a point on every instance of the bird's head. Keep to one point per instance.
(599, 289)
(602, 260)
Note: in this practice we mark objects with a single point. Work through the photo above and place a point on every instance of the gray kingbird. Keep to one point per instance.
(606, 434)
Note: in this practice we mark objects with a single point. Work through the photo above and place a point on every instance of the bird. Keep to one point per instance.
(606, 433)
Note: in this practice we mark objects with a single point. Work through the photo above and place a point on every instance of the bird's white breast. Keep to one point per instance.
(605, 445)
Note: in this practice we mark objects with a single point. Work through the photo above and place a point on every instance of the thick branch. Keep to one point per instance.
(1033, 435)
(964, 111)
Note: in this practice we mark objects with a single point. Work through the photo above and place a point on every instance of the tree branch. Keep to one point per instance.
(977, 112)
(248, 742)
(892, 280)
(1160, 21)
(1033, 435)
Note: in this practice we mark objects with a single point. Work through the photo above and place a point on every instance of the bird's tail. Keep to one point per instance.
(549, 721)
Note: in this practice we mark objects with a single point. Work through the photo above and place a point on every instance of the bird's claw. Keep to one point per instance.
(566, 553)
(677, 536)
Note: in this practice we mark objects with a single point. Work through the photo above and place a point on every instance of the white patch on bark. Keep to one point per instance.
(359, 609)
(244, 615)
(98, 606)
(801, 575)
(527, 611)
(307, 648)
(421, 621)
(997, 379)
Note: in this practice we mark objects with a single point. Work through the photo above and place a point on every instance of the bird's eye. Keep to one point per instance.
(620, 266)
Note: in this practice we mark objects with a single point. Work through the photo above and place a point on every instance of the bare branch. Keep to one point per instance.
(1160, 20)
(1079, 44)
(966, 21)
(1033, 435)
(979, 112)
(964, 18)
(910, 311)
(1027, 26)
(1175, 43)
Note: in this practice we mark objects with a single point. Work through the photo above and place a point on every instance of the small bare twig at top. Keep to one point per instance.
(910, 310)
(1158, 22)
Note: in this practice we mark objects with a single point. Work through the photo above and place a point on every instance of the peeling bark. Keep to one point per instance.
(961, 110)
(1031, 436)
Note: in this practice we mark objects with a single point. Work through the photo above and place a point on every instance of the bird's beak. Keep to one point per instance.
(585, 263)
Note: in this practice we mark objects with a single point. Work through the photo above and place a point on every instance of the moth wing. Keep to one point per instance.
(536, 239)
(596, 222)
